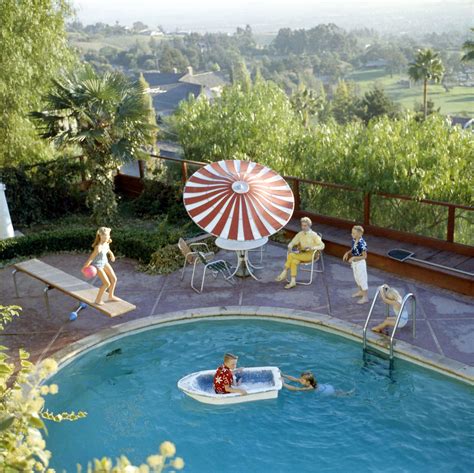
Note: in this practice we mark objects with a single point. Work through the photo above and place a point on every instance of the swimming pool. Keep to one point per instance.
(416, 421)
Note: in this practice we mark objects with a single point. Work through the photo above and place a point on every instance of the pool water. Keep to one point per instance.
(414, 421)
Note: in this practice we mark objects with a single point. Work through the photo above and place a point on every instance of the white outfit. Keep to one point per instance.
(359, 269)
(403, 318)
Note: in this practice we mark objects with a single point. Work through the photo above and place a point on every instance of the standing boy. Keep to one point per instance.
(224, 378)
(356, 256)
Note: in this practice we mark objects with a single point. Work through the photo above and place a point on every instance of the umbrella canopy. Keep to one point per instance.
(238, 200)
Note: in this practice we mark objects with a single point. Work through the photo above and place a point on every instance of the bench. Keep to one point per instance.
(84, 292)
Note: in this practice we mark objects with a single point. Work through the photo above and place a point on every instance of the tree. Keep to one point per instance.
(108, 118)
(343, 102)
(308, 103)
(257, 123)
(468, 46)
(426, 67)
(172, 58)
(241, 76)
(33, 50)
(375, 103)
(151, 113)
(396, 61)
(139, 26)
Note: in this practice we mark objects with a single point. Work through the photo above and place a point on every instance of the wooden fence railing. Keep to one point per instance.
(447, 242)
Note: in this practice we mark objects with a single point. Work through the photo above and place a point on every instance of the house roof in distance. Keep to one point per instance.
(206, 79)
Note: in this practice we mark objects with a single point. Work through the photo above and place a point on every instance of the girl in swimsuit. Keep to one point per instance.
(309, 383)
(393, 299)
(99, 259)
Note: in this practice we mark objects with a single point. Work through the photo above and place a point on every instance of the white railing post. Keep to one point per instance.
(6, 226)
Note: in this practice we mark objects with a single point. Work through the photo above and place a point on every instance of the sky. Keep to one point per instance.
(269, 15)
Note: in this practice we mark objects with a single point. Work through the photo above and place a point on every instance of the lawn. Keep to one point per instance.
(458, 101)
(121, 42)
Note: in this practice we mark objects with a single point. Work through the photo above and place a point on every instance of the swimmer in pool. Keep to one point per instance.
(309, 383)
(306, 380)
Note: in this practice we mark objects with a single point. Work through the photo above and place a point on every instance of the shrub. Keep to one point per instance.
(169, 258)
(160, 198)
(44, 191)
(133, 243)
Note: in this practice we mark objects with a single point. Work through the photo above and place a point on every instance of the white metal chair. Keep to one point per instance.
(190, 253)
(310, 266)
(216, 267)
(194, 257)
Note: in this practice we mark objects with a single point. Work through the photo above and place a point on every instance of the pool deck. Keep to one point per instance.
(445, 320)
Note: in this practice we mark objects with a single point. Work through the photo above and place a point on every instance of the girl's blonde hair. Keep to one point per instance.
(306, 220)
(393, 294)
(359, 228)
(101, 231)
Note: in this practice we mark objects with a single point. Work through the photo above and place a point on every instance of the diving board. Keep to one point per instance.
(54, 278)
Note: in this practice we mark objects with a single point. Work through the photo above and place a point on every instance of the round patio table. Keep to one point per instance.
(244, 265)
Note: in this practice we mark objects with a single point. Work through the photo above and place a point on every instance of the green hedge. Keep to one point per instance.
(44, 191)
(130, 242)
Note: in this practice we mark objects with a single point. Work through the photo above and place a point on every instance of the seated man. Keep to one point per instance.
(224, 378)
(306, 242)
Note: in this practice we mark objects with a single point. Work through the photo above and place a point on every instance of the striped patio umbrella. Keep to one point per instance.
(238, 200)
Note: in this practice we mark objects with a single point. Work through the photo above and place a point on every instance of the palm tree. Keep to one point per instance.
(468, 46)
(108, 118)
(427, 67)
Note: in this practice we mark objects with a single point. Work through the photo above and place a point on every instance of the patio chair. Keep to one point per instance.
(190, 253)
(216, 267)
(310, 266)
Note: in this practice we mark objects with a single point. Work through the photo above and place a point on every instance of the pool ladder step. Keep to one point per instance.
(376, 350)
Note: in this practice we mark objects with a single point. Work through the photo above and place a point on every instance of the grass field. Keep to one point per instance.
(121, 42)
(459, 100)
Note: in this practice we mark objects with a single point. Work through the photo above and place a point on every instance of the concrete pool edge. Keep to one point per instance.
(402, 350)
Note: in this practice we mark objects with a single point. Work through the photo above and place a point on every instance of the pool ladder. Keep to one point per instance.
(408, 297)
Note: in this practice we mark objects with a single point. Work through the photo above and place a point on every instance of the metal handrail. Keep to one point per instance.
(397, 321)
(400, 312)
(364, 331)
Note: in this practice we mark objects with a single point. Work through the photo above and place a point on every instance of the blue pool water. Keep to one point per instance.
(416, 421)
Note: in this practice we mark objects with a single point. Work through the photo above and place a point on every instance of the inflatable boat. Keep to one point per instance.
(260, 383)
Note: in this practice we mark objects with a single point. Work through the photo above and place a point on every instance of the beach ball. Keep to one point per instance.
(89, 271)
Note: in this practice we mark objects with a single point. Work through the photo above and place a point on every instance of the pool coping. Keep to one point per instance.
(402, 350)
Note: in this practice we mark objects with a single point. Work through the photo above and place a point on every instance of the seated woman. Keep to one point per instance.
(306, 242)
(392, 298)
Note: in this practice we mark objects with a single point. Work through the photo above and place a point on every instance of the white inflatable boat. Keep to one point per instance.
(260, 383)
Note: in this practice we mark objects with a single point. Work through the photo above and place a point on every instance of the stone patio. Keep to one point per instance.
(445, 320)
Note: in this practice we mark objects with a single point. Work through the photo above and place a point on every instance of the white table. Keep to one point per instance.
(244, 265)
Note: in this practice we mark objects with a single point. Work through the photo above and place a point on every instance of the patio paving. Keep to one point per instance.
(445, 320)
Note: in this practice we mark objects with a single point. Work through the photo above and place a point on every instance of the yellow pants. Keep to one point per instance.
(294, 259)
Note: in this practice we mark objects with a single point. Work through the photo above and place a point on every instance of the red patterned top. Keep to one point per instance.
(222, 378)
